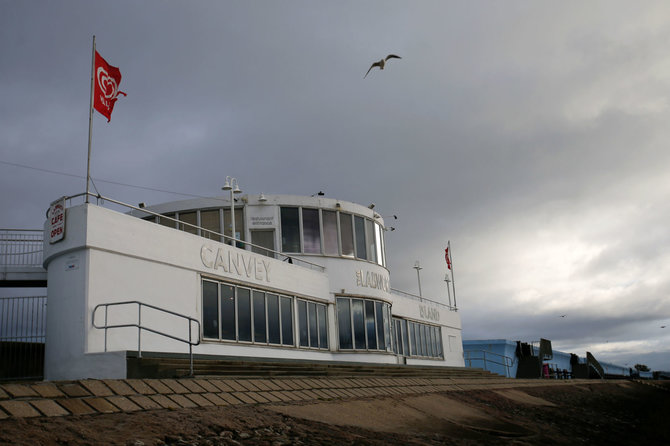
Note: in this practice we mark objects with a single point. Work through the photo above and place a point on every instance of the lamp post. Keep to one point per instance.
(234, 188)
(418, 268)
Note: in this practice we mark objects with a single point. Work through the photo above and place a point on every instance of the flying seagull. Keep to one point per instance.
(381, 64)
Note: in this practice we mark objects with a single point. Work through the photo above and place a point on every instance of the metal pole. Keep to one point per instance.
(453, 282)
(90, 122)
(446, 279)
(139, 331)
(418, 268)
(232, 214)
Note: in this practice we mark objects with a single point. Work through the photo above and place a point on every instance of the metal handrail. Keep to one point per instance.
(139, 326)
(209, 231)
(415, 297)
(507, 361)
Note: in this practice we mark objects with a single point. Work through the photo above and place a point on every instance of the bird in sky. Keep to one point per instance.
(381, 64)
(662, 326)
(563, 315)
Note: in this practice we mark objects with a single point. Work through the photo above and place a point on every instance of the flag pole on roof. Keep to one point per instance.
(450, 266)
(105, 80)
(90, 122)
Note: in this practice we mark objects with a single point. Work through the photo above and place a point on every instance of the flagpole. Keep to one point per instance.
(90, 122)
(453, 284)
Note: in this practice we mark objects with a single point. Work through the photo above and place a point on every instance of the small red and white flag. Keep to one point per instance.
(446, 257)
(106, 90)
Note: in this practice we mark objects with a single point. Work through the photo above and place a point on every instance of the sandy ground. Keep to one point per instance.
(621, 413)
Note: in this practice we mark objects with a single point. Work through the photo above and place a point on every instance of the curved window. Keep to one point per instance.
(363, 324)
(417, 340)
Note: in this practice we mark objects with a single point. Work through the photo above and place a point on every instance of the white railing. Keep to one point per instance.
(422, 299)
(21, 247)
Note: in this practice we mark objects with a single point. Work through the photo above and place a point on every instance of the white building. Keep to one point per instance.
(307, 280)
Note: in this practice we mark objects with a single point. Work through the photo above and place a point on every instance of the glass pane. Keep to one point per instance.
(438, 341)
(359, 323)
(323, 326)
(361, 249)
(290, 230)
(210, 220)
(405, 338)
(259, 317)
(347, 235)
(243, 314)
(412, 338)
(344, 323)
(265, 239)
(228, 312)
(210, 310)
(378, 244)
(370, 324)
(388, 330)
(424, 345)
(287, 321)
(227, 226)
(370, 237)
(313, 332)
(398, 337)
(302, 323)
(310, 231)
(380, 324)
(330, 246)
(188, 217)
(166, 222)
(273, 319)
(430, 339)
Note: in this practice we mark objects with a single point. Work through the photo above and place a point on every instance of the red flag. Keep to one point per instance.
(106, 90)
(446, 257)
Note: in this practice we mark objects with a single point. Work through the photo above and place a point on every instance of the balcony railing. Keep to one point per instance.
(21, 247)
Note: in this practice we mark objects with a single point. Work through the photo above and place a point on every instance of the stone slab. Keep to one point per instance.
(198, 399)
(281, 396)
(158, 386)
(248, 385)
(123, 403)
(182, 401)
(3, 394)
(271, 384)
(19, 390)
(145, 402)
(311, 394)
(101, 405)
(96, 387)
(19, 409)
(174, 386)
(270, 397)
(119, 387)
(49, 408)
(164, 401)
(76, 406)
(284, 384)
(192, 386)
(140, 387)
(258, 397)
(260, 384)
(242, 396)
(47, 390)
(221, 385)
(74, 390)
(3, 415)
(215, 399)
(209, 387)
(236, 386)
(229, 398)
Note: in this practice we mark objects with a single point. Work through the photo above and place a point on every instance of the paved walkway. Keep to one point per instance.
(90, 396)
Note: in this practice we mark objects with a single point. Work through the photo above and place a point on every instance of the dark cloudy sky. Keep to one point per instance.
(533, 135)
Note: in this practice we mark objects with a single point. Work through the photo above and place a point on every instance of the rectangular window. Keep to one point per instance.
(330, 246)
(244, 314)
(370, 324)
(302, 323)
(259, 317)
(290, 230)
(165, 222)
(311, 231)
(380, 324)
(378, 244)
(274, 334)
(359, 323)
(286, 321)
(228, 326)
(323, 325)
(398, 337)
(370, 237)
(361, 247)
(388, 330)
(424, 344)
(263, 239)
(412, 339)
(191, 218)
(405, 338)
(239, 226)
(347, 235)
(210, 221)
(344, 323)
(210, 310)
(313, 330)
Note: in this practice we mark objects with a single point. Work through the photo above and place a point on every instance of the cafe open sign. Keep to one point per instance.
(57, 220)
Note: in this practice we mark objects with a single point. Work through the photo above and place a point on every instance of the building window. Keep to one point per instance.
(210, 221)
(417, 340)
(347, 234)
(359, 230)
(312, 325)
(234, 313)
(363, 324)
(330, 245)
(290, 230)
(311, 231)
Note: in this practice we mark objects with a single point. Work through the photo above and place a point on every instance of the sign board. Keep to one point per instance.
(56, 218)
(261, 217)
